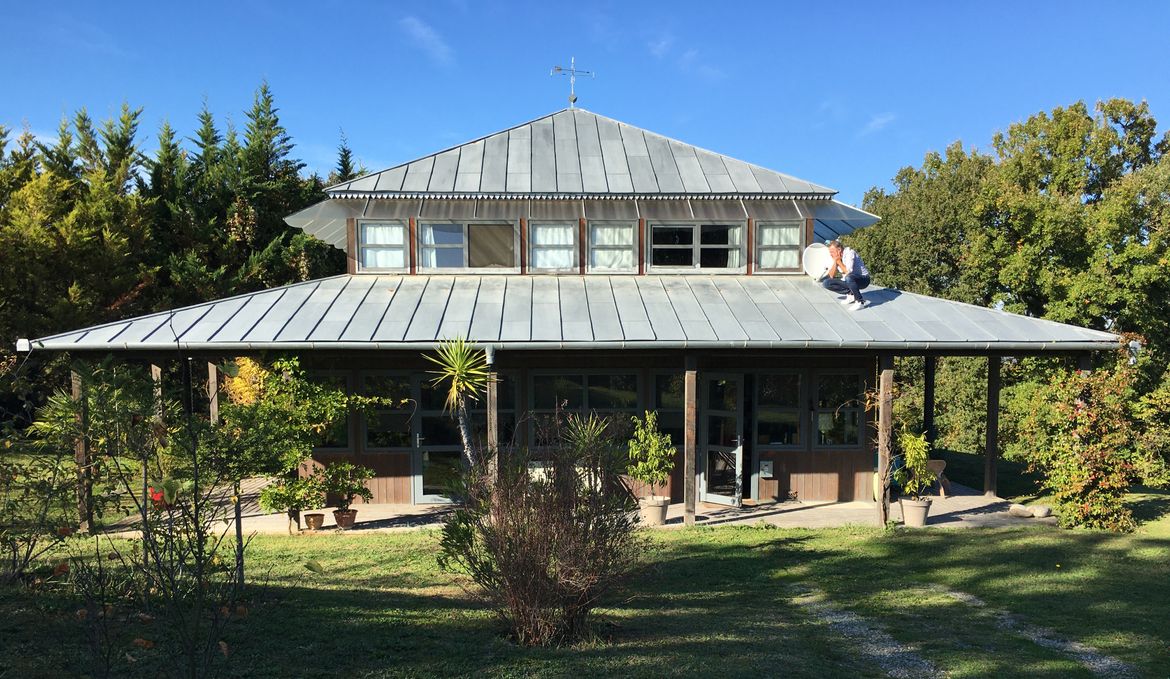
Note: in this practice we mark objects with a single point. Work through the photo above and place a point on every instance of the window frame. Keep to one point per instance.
(420, 246)
(533, 246)
(798, 247)
(362, 246)
(534, 413)
(632, 248)
(696, 246)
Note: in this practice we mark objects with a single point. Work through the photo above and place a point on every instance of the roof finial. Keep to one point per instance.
(572, 72)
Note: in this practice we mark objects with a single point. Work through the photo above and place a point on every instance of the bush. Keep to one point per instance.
(913, 476)
(345, 481)
(546, 549)
(293, 496)
(651, 453)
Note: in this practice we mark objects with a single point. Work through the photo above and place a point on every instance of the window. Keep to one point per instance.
(778, 245)
(552, 247)
(613, 246)
(696, 246)
(382, 245)
(668, 402)
(778, 410)
(607, 394)
(467, 246)
(839, 409)
(389, 426)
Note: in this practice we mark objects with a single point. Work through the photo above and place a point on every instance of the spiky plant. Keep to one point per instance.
(463, 373)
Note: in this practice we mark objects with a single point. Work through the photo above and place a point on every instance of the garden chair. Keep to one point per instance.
(936, 467)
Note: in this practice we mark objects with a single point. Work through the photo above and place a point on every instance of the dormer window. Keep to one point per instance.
(552, 247)
(718, 247)
(778, 245)
(467, 246)
(613, 246)
(382, 246)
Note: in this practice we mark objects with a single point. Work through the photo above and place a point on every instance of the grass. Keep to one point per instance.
(711, 601)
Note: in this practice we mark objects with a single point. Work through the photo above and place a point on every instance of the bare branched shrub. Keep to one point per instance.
(546, 537)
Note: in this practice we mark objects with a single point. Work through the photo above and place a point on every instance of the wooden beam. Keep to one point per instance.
(641, 247)
(885, 433)
(351, 245)
(412, 242)
(751, 245)
(81, 452)
(690, 436)
(523, 245)
(928, 426)
(582, 245)
(991, 450)
(493, 409)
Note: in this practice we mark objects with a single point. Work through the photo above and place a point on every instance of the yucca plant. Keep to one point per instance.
(463, 373)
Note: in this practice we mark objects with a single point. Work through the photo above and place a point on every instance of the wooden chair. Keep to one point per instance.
(936, 467)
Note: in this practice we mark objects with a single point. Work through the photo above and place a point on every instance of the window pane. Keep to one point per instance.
(672, 257)
(395, 387)
(719, 234)
(442, 258)
(837, 391)
(439, 470)
(838, 428)
(551, 391)
(777, 428)
(383, 258)
(553, 258)
(718, 258)
(440, 430)
(611, 234)
(388, 429)
(723, 395)
(779, 234)
(611, 259)
(674, 235)
(779, 259)
(336, 434)
(552, 234)
(671, 423)
(491, 246)
(721, 473)
(779, 390)
(722, 430)
(442, 234)
(618, 392)
(668, 392)
(383, 234)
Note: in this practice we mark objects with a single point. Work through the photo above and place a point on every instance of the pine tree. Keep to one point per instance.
(345, 169)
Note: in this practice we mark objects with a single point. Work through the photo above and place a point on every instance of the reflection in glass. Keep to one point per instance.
(613, 392)
(723, 430)
(777, 428)
(721, 473)
(553, 391)
(439, 470)
(722, 395)
(838, 428)
(781, 391)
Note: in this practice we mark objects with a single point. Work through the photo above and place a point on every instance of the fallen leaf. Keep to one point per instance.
(315, 566)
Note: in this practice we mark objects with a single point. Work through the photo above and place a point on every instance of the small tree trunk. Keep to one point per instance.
(465, 434)
(239, 536)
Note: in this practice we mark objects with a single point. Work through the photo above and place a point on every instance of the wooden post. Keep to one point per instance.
(493, 411)
(928, 426)
(991, 451)
(351, 245)
(690, 436)
(885, 431)
(81, 453)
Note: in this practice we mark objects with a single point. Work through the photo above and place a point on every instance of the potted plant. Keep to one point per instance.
(651, 459)
(292, 496)
(345, 482)
(914, 478)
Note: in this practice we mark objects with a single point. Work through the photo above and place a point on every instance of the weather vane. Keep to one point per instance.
(572, 72)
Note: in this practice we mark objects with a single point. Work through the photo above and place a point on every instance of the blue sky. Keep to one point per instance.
(843, 94)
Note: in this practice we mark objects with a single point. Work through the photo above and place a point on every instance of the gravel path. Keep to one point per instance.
(1092, 659)
(896, 659)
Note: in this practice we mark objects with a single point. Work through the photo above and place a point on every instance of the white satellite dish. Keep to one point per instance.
(817, 260)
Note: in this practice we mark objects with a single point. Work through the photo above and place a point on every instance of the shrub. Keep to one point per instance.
(651, 453)
(345, 481)
(913, 476)
(545, 549)
(293, 496)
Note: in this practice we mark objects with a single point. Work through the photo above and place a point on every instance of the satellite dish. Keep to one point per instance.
(817, 260)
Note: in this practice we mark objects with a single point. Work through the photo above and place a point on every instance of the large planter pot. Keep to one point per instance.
(653, 509)
(914, 512)
(344, 518)
(314, 521)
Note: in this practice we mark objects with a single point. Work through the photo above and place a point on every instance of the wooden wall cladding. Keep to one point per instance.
(824, 475)
(392, 482)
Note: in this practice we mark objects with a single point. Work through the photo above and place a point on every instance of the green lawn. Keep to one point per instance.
(713, 601)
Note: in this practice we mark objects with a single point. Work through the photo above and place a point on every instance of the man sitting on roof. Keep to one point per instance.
(854, 275)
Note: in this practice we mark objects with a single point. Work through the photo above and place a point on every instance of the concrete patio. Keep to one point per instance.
(963, 508)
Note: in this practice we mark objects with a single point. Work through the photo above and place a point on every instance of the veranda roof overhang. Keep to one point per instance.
(596, 312)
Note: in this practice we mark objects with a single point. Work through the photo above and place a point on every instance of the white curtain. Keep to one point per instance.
(611, 246)
(611, 259)
(552, 234)
(612, 234)
(430, 234)
(383, 258)
(553, 246)
(779, 234)
(383, 234)
(553, 258)
(779, 259)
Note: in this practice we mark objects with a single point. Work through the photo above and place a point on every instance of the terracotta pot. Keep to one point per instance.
(914, 512)
(653, 509)
(345, 518)
(314, 521)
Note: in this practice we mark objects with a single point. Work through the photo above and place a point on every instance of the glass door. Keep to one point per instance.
(721, 438)
(438, 449)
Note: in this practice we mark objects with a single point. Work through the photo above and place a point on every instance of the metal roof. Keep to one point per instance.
(576, 153)
(577, 312)
(326, 220)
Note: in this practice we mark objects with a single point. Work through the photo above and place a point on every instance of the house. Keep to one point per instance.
(609, 269)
